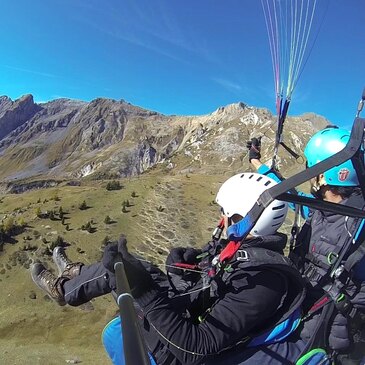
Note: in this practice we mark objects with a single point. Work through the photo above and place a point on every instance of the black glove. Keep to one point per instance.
(111, 256)
(181, 255)
(139, 279)
(254, 148)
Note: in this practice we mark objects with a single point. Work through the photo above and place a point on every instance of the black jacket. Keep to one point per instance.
(245, 302)
(322, 238)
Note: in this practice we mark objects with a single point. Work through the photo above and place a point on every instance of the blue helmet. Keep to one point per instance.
(326, 143)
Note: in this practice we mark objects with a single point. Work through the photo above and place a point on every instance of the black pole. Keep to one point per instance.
(135, 351)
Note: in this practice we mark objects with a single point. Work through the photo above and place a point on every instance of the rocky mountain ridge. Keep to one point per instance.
(104, 138)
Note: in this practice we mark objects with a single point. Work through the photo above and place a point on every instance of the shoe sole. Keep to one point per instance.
(60, 267)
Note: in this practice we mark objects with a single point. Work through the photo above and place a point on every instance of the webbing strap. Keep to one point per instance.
(319, 304)
(229, 251)
(322, 205)
(354, 258)
(294, 154)
(310, 257)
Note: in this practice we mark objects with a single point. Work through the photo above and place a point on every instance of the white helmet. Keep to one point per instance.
(239, 194)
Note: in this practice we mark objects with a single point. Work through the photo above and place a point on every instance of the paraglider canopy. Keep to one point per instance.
(292, 27)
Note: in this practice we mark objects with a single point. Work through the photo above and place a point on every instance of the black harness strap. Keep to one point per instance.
(287, 148)
(311, 258)
(317, 204)
(359, 253)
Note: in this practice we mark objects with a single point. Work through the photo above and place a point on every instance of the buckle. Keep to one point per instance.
(332, 258)
(242, 255)
(311, 273)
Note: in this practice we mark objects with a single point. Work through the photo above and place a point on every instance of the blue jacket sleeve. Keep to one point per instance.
(304, 210)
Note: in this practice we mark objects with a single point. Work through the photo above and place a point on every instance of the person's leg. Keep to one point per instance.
(48, 282)
(65, 266)
(93, 281)
(90, 282)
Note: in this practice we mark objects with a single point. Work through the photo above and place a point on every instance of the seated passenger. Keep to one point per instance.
(335, 306)
(241, 294)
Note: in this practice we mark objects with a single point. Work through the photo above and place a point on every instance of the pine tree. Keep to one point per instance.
(83, 205)
(107, 220)
(38, 212)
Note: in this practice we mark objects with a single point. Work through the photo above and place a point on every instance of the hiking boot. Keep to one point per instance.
(46, 281)
(66, 268)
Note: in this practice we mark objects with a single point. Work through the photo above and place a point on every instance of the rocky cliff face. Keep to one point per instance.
(65, 139)
(15, 113)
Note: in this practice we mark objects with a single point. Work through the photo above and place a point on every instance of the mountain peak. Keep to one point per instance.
(28, 98)
(15, 113)
(68, 138)
(5, 103)
(231, 108)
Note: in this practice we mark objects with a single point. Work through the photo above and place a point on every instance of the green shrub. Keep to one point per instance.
(88, 227)
(83, 205)
(107, 220)
(113, 185)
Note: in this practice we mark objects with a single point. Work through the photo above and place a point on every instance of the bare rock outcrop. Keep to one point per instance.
(15, 113)
(67, 139)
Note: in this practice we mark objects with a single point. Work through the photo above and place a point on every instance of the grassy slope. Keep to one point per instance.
(37, 331)
(40, 331)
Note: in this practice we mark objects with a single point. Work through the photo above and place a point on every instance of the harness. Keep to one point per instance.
(287, 318)
(334, 276)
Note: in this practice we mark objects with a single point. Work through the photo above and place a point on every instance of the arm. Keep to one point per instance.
(241, 308)
(254, 155)
(257, 164)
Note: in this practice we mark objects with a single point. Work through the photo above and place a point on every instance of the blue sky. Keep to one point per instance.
(176, 57)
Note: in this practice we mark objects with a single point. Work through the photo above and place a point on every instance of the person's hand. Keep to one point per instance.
(181, 255)
(111, 256)
(254, 148)
(139, 279)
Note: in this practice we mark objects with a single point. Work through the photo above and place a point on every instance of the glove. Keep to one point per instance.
(254, 148)
(139, 279)
(181, 255)
(113, 253)
(111, 256)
